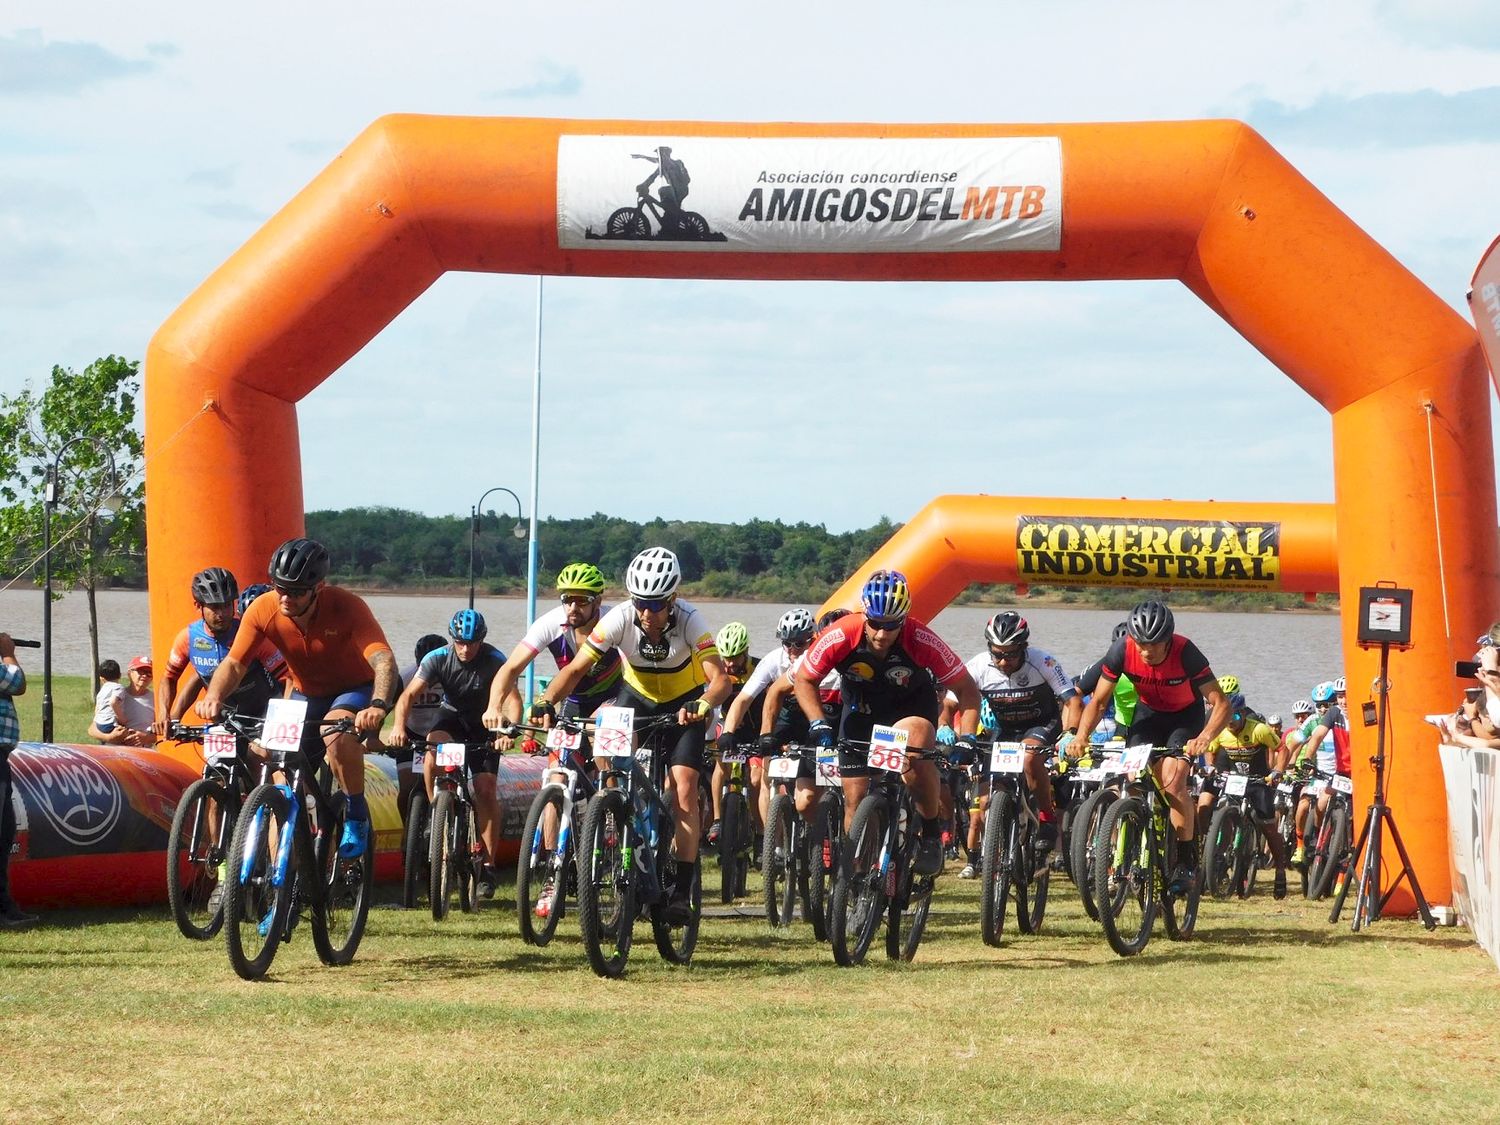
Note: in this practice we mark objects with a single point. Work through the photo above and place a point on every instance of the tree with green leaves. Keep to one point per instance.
(76, 441)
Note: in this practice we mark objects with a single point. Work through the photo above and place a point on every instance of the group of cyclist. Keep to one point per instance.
(828, 684)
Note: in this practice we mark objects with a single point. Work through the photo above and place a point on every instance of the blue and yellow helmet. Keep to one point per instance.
(886, 595)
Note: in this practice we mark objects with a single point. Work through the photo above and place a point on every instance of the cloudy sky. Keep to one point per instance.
(141, 144)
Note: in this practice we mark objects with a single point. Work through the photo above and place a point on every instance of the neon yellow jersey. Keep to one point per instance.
(1253, 734)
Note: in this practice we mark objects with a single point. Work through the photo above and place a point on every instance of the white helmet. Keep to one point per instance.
(795, 627)
(1302, 707)
(654, 573)
(1340, 686)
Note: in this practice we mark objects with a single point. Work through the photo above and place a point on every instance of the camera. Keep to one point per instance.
(1466, 669)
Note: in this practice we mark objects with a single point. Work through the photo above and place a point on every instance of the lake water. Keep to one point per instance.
(1277, 656)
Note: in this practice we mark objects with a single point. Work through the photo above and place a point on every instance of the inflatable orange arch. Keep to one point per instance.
(1209, 203)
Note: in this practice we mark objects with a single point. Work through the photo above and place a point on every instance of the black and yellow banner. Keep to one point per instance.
(1094, 551)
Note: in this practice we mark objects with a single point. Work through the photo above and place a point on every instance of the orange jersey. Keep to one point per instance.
(332, 656)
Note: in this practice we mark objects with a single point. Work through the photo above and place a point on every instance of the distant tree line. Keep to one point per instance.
(759, 559)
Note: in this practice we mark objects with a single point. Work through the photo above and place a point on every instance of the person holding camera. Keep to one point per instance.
(1477, 722)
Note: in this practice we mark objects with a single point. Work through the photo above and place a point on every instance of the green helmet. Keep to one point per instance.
(580, 576)
(733, 640)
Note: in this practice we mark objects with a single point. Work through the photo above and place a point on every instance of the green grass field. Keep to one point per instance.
(72, 705)
(1269, 1014)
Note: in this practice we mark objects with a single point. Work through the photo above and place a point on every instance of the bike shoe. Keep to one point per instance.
(1181, 881)
(1046, 836)
(968, 871)
(484, 886)
(679, 911)
(265, 923)
(544, 903)
(1299, 856)
(713, 834)
(929, 857)
(1279, 887)
(355, 840)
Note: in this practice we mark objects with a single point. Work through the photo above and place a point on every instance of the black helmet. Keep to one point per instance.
(1151, 622)
(1008, 628)
(299, 562)
(429, 643)
(1120, 630)
(214, 586)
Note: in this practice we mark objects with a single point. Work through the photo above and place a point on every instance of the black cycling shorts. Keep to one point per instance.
(481, 756)
(857, 726)
(686, 743)
(1174, 729)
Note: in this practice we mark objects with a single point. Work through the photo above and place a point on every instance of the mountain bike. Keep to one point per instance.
(1008, 861)
(625, 861)
(416, 847)
(875, 882)
(1097, 781)
(1134, 854)
(1232, 849)
(1287, 791)
(284, 855)
(635, 222)
(1329, 856)
(825, 842)
(544, 871)
(455, 856)
(203, 825)
(736, 825)
(787, 861)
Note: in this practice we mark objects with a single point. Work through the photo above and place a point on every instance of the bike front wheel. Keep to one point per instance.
(442, 860)
(778, 864)
(859, 898)
(198, 844)
(418, 844)
(1219, 851)
(1125, 878)
(341, 903)
(1032, 878)
(995, 858)
(540, 871)
(255, 907)
(1081, 846)
(606, 902)
(676, 942)
(1333, 842)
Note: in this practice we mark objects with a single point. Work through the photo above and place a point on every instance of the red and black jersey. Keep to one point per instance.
(1171, 685)
(915, 663)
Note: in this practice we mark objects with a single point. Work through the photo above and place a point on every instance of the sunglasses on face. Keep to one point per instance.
(652, 605)
(293, 591)
(999, 654)
(885, 624)
(580, 600)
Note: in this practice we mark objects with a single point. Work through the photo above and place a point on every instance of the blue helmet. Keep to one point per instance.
(248, 595)
(1323, 693)
(1237, 703)
(467, 626)
(886, 595)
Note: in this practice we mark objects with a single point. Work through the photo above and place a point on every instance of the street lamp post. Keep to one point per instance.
(520, 531)
(49, 501)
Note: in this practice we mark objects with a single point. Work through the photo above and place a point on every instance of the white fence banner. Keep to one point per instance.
(1472, 777)
(810, 195)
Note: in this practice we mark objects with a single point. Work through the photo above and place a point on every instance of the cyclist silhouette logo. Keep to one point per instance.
(660, 217)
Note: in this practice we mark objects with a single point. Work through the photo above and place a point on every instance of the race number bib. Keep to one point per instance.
(1135, 759)
(888, 749)
(785, 767)
(448, 754)
(734, 757)
(1234, 785)
(1007, 757)
(613, 735)
(1313, 788)
(219, 745)
(830, 773)
(560, 739)
(282, 732)
(1285, 787)
(1342, 784)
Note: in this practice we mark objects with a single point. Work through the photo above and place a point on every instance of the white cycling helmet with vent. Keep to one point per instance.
(654, 573)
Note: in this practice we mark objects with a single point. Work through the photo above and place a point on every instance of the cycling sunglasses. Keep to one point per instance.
(293, 591)
(999, 654)
(653, 604)
(577, 599)
(885, 624)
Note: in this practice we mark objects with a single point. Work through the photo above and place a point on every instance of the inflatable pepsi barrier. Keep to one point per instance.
(92, 821)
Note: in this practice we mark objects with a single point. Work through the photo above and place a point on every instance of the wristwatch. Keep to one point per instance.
(382, 704)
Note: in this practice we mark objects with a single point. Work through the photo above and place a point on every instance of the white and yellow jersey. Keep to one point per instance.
(662, 670)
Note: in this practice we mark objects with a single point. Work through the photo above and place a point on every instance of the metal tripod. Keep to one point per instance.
(1365, 858)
